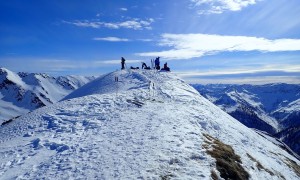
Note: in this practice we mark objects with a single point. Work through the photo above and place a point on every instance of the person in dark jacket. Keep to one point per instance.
(166, 68)
(122, 63)
(157, 63)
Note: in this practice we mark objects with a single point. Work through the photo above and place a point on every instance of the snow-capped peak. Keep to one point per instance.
(7, 75)
(22, 92)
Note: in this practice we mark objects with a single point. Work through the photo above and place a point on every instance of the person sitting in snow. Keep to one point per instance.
(134, 67)
(166, 68)
(144, 66)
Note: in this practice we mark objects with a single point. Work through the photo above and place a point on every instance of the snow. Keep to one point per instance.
(14, 78)
(252, 101)
(271, 103)
(8, 110)
(95, 133)
(289, 114)
(55, 92)
(247, 97)
(74, 81)
(291, 107)
(24, 92)
(79, 81)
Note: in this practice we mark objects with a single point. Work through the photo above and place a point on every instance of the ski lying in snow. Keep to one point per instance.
(135, 102)
(153, 100)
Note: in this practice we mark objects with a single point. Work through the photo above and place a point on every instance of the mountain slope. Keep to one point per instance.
(291, 137)
(133, 129)
(289, 115)
(270, 107)
(273, 108)
(24, 92)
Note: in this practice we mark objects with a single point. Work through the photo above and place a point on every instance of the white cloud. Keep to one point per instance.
(85, 23)
(47, 65)
(111, 39)
(111, 25)
(116, 39)
(277, 73)
(246, 80)
(136, 24)
(63, 66)
(187, 46)
(244, 70)
(219, 6)
(131, 24)
(123, 9)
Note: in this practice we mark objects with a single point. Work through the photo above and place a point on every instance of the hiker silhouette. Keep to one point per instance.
(166, 68)
(122, 63)
(157, 63)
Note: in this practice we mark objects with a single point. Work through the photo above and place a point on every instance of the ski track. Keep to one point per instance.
(102, 136)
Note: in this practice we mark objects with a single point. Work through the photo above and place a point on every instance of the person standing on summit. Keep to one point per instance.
(157, 63)
(122, 63)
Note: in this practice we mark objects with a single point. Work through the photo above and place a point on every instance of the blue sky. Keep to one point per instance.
(204, 41)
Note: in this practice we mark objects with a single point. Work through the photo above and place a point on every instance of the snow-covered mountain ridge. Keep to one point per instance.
(274, 108)
(275, 104)
(149, 125)
(24, 92)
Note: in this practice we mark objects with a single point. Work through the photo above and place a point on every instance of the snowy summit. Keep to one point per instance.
(138, 125)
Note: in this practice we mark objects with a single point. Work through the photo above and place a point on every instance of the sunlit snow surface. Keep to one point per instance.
(96, 133)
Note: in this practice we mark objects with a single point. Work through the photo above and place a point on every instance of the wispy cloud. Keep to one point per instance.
(123, 9)
(117, 39)
(111, 39)
(246, 75)
(220, 6)
(245, 80)
(244, 70)
(136, 24)
(187, 46)
(61, 66)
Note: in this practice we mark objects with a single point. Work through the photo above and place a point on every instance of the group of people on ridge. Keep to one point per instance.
(144, 65)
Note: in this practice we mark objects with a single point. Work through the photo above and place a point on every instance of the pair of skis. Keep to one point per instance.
(135, 102)
(139, 103)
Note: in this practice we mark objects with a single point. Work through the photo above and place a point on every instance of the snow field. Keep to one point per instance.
(96, 134)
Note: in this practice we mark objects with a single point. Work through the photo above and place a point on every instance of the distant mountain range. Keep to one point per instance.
(23, 92)
(274, 108)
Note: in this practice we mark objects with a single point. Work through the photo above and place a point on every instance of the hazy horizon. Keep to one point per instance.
(250, 41)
